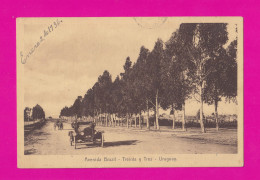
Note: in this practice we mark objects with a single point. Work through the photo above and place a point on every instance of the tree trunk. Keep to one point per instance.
(111, 120)
(201, 111)
(158, 114)
(173, 123)
(106, 119)
(98, 119)
(173, 118)
(127, 124)
(135, 121)
(183, 118)
(154, 123)
(114, 119)
(216, 114)
(140, 123)
(157, 111)
(100, 115)
(147, 122)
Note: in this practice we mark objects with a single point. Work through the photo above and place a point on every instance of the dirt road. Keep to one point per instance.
(119, 140)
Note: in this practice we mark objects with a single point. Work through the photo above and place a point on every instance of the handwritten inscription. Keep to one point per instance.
(46, 32)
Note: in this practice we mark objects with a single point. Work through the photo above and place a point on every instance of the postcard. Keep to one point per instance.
(108, 92)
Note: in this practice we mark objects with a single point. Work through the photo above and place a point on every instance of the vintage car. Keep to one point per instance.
(84, 134)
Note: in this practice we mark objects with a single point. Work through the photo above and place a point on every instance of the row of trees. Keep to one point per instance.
(36, 112)
(193, 63)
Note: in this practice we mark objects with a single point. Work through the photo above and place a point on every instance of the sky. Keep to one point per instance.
(70, 58)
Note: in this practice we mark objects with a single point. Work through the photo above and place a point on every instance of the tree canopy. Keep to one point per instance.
(193, 63)
(38, 112)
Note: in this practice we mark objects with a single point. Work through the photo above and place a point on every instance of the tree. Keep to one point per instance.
(88, 104)
(201, 43)
(76, 107)
(104, 85)
(192, 62)
(154, 77)
(214, 88)
(223, 81)
(65, 112)
(116, 106)
(230, 72)
(140, 89)
(37, 112)
(126, 93)
(97, 99)
(175, 86)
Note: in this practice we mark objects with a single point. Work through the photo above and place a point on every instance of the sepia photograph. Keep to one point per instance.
(130, 92)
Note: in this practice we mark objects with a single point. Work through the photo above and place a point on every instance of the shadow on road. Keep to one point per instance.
(120, 143)
(107, 144)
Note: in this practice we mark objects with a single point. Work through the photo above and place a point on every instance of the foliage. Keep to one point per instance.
(37, 112)
(193, 62)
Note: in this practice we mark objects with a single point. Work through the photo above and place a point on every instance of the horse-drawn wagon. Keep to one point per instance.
(85, 134)
(58, 124)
